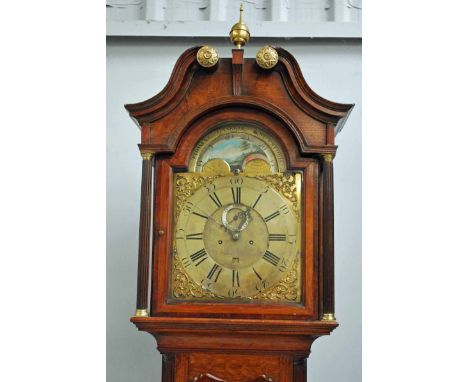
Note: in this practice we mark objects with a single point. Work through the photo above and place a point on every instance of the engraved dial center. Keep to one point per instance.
(243, 250)
(235, 219)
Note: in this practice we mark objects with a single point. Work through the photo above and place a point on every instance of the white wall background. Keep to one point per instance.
(138, 68)
(266, 18)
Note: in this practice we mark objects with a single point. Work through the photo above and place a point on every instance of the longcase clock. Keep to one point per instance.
(236, 224)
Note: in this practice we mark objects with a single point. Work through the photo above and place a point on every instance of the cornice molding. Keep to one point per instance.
(176, 90)
(247, 326)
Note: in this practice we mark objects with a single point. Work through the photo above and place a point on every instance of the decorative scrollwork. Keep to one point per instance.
(286, 289)
(183, 286)
(186, 187)
(286, 185)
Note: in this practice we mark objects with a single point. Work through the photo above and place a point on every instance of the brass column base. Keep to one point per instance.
(141, 313)
(328, 317)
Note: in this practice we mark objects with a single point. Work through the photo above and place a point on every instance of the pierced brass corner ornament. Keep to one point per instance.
(240, 33)
(141, 313)
(328, 317)
(207, 56)
(267, 57)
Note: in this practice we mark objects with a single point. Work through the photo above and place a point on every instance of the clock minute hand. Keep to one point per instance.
(236, 216)
(210, 217)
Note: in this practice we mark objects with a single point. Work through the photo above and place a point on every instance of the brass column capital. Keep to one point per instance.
(147, 155)
(328, 157)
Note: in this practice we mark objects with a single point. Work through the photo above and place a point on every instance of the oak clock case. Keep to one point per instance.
(236, 242)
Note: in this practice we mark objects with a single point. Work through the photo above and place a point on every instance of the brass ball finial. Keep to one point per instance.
(240, 34)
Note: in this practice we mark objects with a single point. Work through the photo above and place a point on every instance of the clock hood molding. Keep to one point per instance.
(193, 92)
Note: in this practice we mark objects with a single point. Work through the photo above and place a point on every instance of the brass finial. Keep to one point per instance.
(240, 34)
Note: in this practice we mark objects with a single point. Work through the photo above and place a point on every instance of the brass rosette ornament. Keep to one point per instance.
(267, 57)
(207, 56)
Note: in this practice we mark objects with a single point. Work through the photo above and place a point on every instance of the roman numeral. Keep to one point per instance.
(235, 278)
(277, 237)
(215, 199)
(199, 255)
(272, 216)
(271, 258)
(256, 201)
(194, 236)
(236, 194)
(256, 273)
(215, 271)
(202, 216)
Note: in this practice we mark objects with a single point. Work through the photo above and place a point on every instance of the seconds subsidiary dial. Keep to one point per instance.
(236, 236)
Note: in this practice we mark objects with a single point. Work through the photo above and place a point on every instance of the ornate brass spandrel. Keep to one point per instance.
(184, 287)
(287, 289)
(287, 185)
(186, 185)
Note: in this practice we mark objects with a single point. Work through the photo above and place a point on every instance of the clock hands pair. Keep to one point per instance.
(244, 215)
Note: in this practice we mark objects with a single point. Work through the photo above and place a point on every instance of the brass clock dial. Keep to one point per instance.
(236, 236)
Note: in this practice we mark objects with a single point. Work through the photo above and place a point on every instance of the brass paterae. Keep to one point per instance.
(267, 57)
(207, 56)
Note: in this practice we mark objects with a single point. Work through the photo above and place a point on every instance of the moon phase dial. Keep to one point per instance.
(238, 147)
